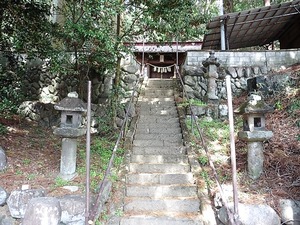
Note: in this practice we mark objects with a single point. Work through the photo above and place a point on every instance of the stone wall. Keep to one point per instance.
(240, 66)
(45, 89)
(268, 60)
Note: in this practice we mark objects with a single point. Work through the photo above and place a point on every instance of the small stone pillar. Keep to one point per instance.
(211, 63)
(211, 98)
(254, 132)
(70, 128)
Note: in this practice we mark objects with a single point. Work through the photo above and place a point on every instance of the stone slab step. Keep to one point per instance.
(167, 101)
(159, 159)
(159, 94)
(159, 168)
(163, 83)
(162, 131)
(156, 143)
(191, 205)
(156, 108)
(151, 89)
(167, 179)
(162, 112)
(158, 125)
(166, 137)
(158, 220)
(158, 119)
(144, 99)
(159, 150)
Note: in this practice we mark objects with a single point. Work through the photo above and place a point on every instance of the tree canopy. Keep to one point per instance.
(94, 34)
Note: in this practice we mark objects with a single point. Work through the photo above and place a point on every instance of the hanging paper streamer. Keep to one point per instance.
(160, 69)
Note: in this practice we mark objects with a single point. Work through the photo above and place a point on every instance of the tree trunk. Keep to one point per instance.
(117, 80)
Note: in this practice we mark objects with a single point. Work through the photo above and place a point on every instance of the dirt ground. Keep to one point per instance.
(33, 156)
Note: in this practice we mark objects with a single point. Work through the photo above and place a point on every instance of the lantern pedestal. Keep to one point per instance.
(255, 159)
(255, 150)
(68, 159)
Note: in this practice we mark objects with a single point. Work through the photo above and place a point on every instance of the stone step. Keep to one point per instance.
(159, 159)
(158, 125)
(156, 101)
(188, 205)
(158, 119)
(157, 178)
(159, 220)
(159, 150)
(160, 112)
(165, 137)
(162, 83)
(156, 130)
(159, 168)
(143, 99)
(155, 107)
(158, 93)
(156, 143)
(161, 191)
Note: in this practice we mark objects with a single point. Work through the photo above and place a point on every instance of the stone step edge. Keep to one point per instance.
(164, 163)
(128, 185)
(160, 214)
(141, 198)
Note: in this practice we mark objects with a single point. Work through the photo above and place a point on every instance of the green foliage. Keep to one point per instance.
(195, 102)
(164, 21)
(294, 110)
(59, 182)
(3, 129)
(11, 73)
(215, 130)
(25, 26)
(105, 124)
(240, 5)
(203, 160)
(205, 175)
(294, 105)
(103, 148)
(278, 105)
(101, 153)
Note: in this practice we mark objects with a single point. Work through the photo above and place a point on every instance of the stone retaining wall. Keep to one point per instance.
(45, 89)
(240, 66)
(269, 60)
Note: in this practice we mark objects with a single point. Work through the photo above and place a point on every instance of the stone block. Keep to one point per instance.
(290, 211)
(3, 160)
(73, 209)
(18, 200)
(3, 196)
(252, 215)
(42, 211)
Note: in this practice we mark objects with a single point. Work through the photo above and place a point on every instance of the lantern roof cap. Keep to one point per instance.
(254, 105)
(71, 103)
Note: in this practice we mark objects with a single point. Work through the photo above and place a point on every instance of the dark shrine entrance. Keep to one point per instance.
(161, 64)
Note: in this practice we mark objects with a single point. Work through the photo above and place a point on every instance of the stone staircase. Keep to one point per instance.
(160, 188)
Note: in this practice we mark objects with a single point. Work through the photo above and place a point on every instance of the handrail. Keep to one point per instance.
(231, 216)
(95, 211)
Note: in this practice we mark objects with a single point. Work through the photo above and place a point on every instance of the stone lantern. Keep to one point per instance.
(211, 98)
(254, 132)
(70, 128)
(212, 65)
